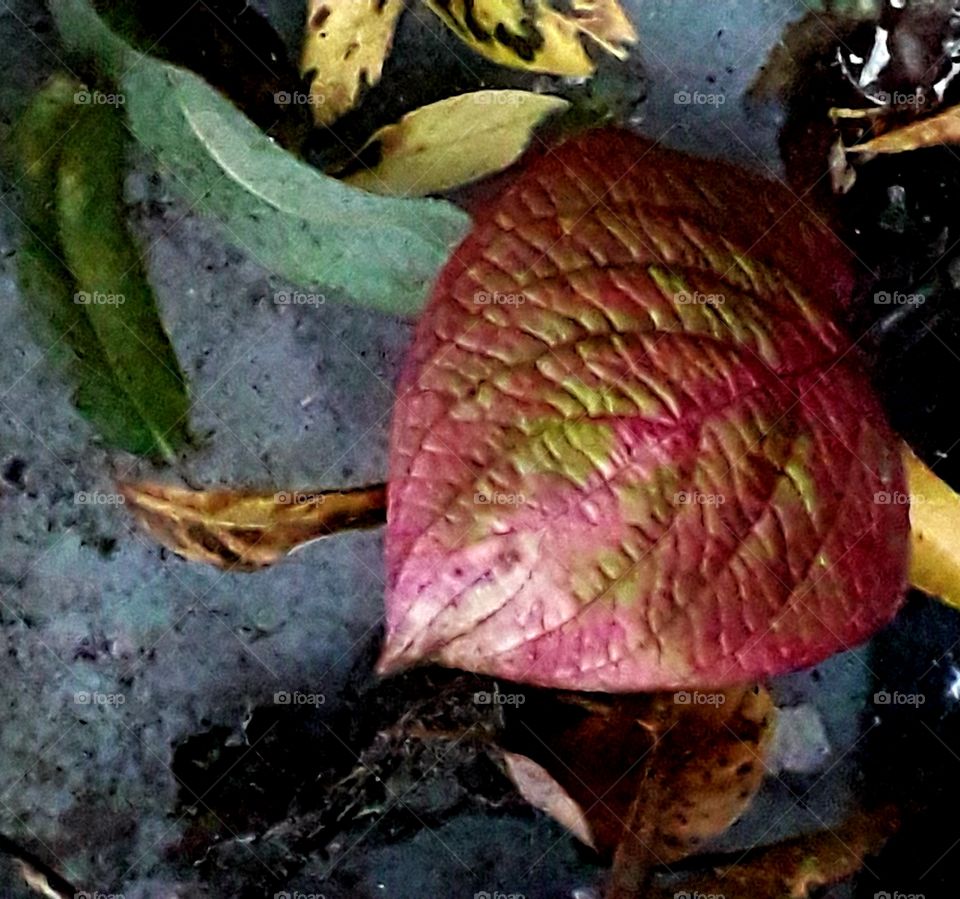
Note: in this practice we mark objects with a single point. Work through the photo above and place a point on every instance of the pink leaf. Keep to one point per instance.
(632, 449)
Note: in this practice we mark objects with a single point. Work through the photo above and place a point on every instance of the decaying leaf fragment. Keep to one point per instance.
(656, 773)
(454, 141)
(535, 35)
(797, 868)
(943, 128)
(248, 531)
(347, 42)
(542, 791)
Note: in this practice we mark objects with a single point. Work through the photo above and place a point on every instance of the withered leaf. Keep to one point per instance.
(542, 791)
(346, 44)
(688, 769)
(943, 128)
(796, 868)
(535, 35)
(455, 141)
(248, 531)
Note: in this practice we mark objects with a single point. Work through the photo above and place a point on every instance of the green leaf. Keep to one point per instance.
(307, 227)
(112, 288)
(127, 379)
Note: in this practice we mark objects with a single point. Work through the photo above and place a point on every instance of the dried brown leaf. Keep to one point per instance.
(650, 770)
(796, 868)
(248, 531)
(541, 790)
(943, 128)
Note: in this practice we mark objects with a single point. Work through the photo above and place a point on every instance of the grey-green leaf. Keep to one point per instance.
(297, 222)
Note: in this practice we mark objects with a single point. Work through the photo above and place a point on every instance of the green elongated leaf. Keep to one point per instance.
(308, 227)
(112, 287)
(55, 126)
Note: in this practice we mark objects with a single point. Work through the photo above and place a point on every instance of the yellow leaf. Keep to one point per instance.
(248, 531)
(943, 128)
(934, 532)
(533, 35)
(346, 44)
(455, 141)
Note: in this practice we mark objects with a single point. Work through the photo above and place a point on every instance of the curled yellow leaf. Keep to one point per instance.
(534, 35)
(347, 42)
(943, 128)
(455, 141)
(248, 531)
(934, 532)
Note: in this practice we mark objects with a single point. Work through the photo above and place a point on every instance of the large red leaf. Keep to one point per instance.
(632, 449)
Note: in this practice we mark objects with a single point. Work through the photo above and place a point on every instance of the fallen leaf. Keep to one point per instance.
(81, 274)
(842, 175)
(934, 532)
(646, 780)
(308, 227)
(248, 531)
(606, 22)
(538, 787)
(455, 141)
(943, 128)
(533, 35)
(347, 42)
(797, 868)
(632, 448)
